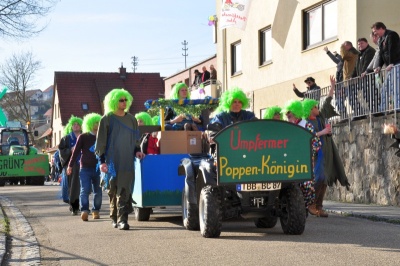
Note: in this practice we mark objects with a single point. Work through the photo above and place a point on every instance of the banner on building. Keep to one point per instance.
(234, 13)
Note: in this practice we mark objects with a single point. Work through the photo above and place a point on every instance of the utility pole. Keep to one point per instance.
(185, 50)
(135, 62)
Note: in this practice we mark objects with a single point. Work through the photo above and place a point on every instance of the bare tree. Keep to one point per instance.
(18, 75)
(19, 18)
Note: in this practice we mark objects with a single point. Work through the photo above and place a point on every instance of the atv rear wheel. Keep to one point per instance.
(266, 222)
(293, 219)
(209, 212)
(190, 214)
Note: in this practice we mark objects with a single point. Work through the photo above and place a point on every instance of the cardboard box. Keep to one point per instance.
(178, 142)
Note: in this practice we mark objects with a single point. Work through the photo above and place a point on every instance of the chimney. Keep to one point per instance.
(122, 72)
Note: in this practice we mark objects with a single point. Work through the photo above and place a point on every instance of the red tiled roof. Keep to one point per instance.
(75, 88)
(48, 89)
(48, 113)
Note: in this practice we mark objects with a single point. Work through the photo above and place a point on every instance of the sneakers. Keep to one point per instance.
(96, 215)
(123, 226)
(74, 212)
(114, 224)
(84, 216)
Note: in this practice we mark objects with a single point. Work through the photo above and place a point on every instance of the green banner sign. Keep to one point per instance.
(24, 165)
(263, 151)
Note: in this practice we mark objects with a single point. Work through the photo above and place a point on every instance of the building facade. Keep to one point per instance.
(283, 43)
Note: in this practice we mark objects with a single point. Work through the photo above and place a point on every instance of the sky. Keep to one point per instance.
(99, 35)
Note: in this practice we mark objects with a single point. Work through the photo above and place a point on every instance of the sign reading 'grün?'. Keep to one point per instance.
(24, 165)
(263, 151)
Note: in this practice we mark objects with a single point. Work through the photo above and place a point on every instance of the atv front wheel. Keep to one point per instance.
(293, 219)
(209, 212)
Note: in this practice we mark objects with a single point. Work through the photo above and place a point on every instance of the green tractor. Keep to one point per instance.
(19, 161)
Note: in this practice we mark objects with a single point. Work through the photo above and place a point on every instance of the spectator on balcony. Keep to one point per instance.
(338, 61)
(197, 78)
(375, 61)
(337, 58)
(206, 75)
(213, 74)
(364, 57)
(389, 45)
(362, 93)
(389, 54)
(313, 90)
(349, 55)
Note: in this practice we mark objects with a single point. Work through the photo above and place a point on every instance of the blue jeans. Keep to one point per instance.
(90, 182)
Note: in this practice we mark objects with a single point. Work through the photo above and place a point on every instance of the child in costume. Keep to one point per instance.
(89, 174)
(148, 141)
(273, 112)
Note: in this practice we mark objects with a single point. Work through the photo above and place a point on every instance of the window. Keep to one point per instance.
(320, 23)
(265, 46)
(85, 107)
(236, 56)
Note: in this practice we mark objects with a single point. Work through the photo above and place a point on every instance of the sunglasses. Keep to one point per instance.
(123, 100)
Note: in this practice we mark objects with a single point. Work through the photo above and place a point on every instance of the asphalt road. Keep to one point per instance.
(63, 239)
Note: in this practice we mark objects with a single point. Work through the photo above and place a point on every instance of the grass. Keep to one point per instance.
(5, 224)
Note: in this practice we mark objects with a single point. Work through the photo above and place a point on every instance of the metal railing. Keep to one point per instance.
(375, 94)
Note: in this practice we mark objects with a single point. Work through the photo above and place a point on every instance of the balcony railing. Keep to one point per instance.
(375, 94)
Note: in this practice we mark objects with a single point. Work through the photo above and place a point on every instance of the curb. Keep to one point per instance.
(375, 218)
(3, 237)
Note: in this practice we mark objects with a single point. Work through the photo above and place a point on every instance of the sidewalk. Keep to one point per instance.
(389, 214)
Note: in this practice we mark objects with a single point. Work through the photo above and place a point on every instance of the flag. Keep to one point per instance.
(234, 13)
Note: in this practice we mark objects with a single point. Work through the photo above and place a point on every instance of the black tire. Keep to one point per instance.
(190, 214)
(266, 222)
(209, 212)
(293, 219)
(2, 182)
(142, 214)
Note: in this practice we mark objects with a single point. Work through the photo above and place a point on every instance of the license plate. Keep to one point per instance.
(258, 187)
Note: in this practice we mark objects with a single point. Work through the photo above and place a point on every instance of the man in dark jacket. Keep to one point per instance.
(389, 54)
(365, 56)
(313, 90)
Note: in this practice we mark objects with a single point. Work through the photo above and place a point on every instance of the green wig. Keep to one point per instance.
(175, 91)
(145, 117)
(71, 121)
(308, 105)
(112, 99)
(271, 111)
(155, 119)
(295, 107)
(227, 98)
(89, 121)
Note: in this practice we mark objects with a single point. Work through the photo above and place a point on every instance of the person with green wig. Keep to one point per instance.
(273, 112)
(231, 108)
(70, 182)
(144, 119)
(328, 167)
(116, 145)
(89, 174)
(294, 112)
(148, 141)
(180, 91)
